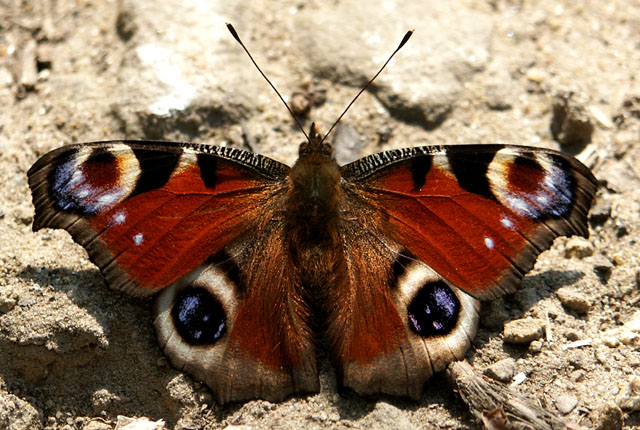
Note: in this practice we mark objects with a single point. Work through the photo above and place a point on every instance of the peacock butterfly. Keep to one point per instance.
(254, 261)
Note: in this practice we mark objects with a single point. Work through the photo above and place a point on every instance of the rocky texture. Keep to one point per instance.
(523, 331)
(75, 355)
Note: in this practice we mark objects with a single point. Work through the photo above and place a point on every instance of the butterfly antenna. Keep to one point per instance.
(235, 36)
(404, 40)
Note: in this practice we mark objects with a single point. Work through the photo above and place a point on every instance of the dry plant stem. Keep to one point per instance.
(488, 400)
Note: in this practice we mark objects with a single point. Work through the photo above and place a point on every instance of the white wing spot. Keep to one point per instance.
(119, 218)
(488, 242)
(106, 200)
(506, 222)
(138, 239)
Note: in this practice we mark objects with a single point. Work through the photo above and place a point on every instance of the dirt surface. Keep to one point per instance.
(75, 355)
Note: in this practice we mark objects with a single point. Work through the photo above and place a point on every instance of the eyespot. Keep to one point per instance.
(434, 311)
(198, 316)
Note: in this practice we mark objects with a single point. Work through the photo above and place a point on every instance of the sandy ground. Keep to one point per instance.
(75, 355)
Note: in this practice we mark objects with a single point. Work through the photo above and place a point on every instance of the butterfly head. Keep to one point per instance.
(315, 147)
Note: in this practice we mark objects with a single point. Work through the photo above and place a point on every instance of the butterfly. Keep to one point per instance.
(385, 259)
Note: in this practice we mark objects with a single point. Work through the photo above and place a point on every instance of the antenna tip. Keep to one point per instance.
(406, 38)
(233, 31)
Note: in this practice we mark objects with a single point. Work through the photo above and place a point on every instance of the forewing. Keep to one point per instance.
(148, 213)
(478, 215)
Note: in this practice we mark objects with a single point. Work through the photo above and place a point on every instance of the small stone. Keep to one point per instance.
(22, 216)
(610, 417)
(627, 337)
(319, 417)
(633, 324)
(536, 346)
(574, 300)
(578, 247)
(600, 212)
(96, 425)
(536, 75)
(8, 300)
(602, 266)
(566, 403)
(523, 331)
(126, 25)
(629, 397)
(103, 399)
(610, 341)
(143, 423)
(502, 371)
(300, 104)
(570, 123)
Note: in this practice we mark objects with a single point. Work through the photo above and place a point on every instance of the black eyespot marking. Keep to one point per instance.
(434, 311)
(155, 169)
(198, 316)
(208, 165)
(420, 167)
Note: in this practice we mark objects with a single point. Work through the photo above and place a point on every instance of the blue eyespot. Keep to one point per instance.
(198, 316)
(434, 311)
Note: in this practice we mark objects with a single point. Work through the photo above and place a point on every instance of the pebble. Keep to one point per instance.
(629, 397)
(602, 266)
(600, 212)
(96, 425)
(143, 423)
(103, 399)
(523, 331)
(578, 247)
(8, 300)
(627, 334)
(502, 370)
(574, 300)
(566, 403)
(570, 123)
(536, 75)
(536, 346)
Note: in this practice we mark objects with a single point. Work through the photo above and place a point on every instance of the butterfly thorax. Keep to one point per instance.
(314, 194)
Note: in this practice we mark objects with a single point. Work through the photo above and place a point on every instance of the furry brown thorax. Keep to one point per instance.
(315, 190)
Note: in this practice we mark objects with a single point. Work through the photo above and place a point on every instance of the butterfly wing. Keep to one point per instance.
(440, 222)
(197, 219)
(478, 215)
(381, 337)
